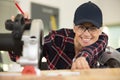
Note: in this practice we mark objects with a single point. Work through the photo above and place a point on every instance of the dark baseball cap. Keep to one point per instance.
(88, 12)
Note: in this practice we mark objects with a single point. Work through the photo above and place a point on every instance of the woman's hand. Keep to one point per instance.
(26, 16)
(80, 63)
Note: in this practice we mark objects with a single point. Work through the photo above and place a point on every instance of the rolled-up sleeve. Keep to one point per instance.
(95, 49)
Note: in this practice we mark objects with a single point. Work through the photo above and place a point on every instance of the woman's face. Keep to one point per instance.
(86, 34)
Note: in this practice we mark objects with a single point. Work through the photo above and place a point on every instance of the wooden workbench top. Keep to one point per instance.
(91, 74)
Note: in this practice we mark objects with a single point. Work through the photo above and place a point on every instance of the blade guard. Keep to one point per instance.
(31, 47)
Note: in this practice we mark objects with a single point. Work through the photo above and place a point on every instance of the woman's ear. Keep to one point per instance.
(74, 29)
(100, 31)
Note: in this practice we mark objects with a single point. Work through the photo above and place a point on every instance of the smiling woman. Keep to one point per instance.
(80, 43)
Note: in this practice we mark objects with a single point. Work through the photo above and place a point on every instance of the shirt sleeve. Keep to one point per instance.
(49, 41)
(54, 39)
(95, 49)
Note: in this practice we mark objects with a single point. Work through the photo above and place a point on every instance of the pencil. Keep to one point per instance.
(19, 7)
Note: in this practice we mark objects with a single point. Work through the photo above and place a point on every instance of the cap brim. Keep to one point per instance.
(90, 21)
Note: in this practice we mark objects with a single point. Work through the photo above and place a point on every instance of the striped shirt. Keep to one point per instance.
(59, 49)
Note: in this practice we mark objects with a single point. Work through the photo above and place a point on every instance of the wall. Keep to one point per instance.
(110, 9)
(7, 9)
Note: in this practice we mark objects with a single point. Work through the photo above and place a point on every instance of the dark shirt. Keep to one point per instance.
(59, 49)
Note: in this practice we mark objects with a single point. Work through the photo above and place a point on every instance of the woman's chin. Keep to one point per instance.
(86, 44)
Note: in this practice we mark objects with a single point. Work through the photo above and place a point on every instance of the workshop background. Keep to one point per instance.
(58, 14)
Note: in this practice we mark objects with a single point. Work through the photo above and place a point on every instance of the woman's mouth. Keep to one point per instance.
(86, 40)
